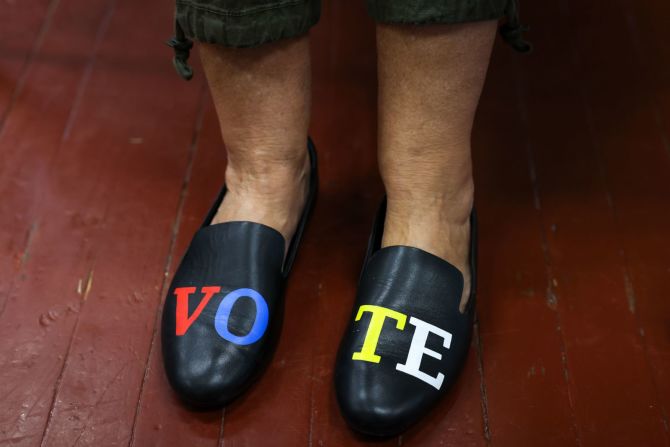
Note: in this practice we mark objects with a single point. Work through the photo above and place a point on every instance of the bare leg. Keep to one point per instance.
(262, 97)
(430, 80)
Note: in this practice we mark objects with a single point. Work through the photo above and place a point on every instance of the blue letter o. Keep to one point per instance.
(226, 306)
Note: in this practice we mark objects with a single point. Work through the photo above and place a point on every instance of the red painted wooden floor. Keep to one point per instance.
(108, 161)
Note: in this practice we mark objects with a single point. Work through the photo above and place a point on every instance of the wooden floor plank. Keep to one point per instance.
(24, 26)
(638, 173)
(29, 323)
(161, 418)
(28, 142)
(114, 175)
(147, 158)
(603, 349)
(521, 340)
(108, 162)
(636, 166)
(646, 27)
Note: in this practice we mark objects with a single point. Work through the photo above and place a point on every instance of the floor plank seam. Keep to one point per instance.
(222, 441)
(631, 25)
(25, 69)
(57, 385)
(552, 296)
(628, 283)
(61, 374)
(312, 400)
(552, 299)
(482, 383)
(25, 255)
(596, 147)
(176, 226)
(310, 429)
(637, 44)
(82, 431)
(88, 70)
(82, 84)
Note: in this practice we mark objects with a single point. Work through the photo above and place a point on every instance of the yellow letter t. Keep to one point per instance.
(379, 314)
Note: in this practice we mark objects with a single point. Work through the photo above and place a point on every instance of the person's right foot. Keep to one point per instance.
(223, 313)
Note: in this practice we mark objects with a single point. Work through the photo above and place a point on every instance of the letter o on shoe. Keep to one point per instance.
(226, 307)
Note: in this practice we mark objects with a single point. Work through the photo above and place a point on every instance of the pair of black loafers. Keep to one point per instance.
(404, 346)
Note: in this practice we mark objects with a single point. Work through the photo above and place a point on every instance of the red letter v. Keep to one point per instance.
(183, 320)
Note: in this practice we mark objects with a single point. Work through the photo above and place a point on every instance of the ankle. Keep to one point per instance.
(270, 193)
(268, 180)
(438, 223)
(451, 205)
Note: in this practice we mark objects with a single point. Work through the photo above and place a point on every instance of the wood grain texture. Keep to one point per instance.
(161, 418)
(603, 347)
(522, 341)
(142, 170)
(24, 26)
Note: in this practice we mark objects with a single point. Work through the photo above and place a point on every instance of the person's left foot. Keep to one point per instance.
(407, 339)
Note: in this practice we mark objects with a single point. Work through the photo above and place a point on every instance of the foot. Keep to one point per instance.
(214, 343)
(438, 225)
(271, 193)
(399, 355)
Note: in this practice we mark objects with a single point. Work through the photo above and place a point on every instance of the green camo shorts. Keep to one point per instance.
(248, 23)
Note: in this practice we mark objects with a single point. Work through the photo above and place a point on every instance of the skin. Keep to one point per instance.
(430, 81)
(262, 98)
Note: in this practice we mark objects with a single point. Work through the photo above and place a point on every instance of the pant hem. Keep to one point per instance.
(249, 27)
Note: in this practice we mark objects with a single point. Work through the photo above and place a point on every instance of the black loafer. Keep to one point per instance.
(407, 340)
(223, 312)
